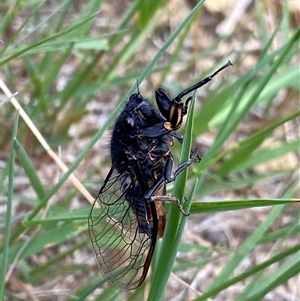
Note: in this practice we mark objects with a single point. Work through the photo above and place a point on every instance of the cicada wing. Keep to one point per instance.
(122, 249)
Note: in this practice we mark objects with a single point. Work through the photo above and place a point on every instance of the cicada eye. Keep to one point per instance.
(170, 108)
(176, 114)
(128, 123)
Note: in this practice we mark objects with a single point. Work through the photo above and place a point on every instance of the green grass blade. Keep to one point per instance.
(7, 229)
(247, 246)
(29, 169)
(258, 268)
(176, 221)
(18, 53)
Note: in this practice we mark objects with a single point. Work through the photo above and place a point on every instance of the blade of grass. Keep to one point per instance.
(107, 294)
(19, 53)
(176, 222)
(43, 240)
(257, 290)
(56, 258)
(241, 148)
(232, 119)
(205, 207)
(29, 169)
(247, 246)
(227, 283)
(7, 229)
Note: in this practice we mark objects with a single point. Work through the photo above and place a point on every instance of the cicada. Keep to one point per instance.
(128, 215)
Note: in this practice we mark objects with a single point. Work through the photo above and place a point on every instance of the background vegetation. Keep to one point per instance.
(74, 64)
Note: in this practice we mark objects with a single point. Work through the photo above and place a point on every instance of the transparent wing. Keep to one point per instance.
(123, 246)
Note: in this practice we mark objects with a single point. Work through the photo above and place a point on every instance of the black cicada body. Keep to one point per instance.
(128, 215)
